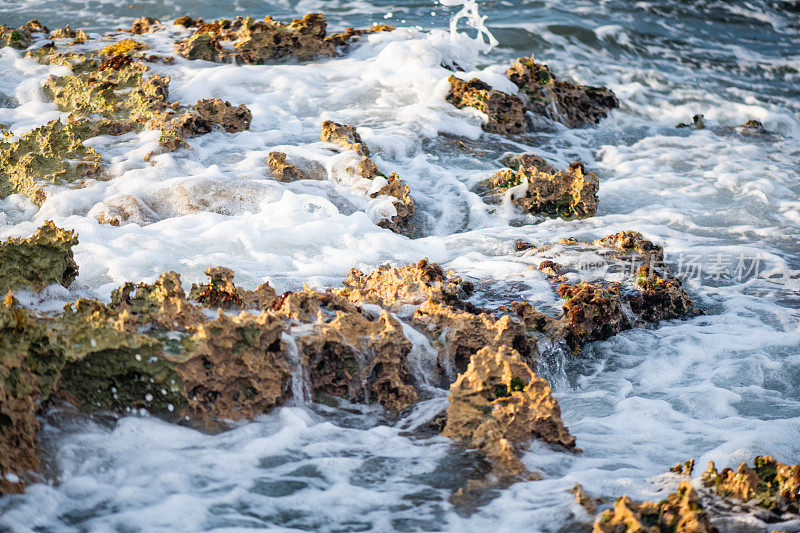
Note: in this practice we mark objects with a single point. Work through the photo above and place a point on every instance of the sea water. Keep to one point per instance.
(724, 386)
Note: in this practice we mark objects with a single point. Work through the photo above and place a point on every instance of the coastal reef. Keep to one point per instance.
(255, 42)
(570, 194)
(573, 105)
(680, 512)
(540, 93)
(33, 263)
(769, 484)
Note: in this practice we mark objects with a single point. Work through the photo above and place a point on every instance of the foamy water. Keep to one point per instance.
(722, 387)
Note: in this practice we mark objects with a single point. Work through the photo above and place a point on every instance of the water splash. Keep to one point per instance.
(469, 11)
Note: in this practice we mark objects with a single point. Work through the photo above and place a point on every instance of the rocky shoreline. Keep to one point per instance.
(221, 353)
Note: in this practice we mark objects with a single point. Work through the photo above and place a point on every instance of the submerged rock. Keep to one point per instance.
(498, 405)
(42, 259)
(505, 112)
(768, 484)
(392, 186)
(598, 310)
(566, 194)
(572, 105)
(286, 172)
(681, 512)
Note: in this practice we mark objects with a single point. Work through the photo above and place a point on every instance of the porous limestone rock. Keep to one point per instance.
(572, 105)
(348, 138)
(498, 405)
(42, 259)
(681, 512)
(566, 194)
(220, 292)
(259, 41)
(233, 119)
(505, 112)
(53, 153)
(123, 47)
(22, 37)
(769, 484)
(144, 25)
(285, 171)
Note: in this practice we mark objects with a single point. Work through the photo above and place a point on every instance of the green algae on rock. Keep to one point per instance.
(572, 105)
(28, 369)
(42, 259)
(769, 484)
(565, 194)
(22, 37)
(498, 405)
(505, 112)
(680, 512)
(392, 185)
(51, 153)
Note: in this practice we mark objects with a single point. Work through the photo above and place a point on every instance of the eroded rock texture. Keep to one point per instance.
(498, 405)
(570, 193)
(505, 112)
(681, 512)
(769, 484)
(572, 105)
(259, 41)
(392, 186)
(22, 37)
(35, 262)
(233, 119)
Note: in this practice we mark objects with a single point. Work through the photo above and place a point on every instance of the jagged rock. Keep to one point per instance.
(237, 368)
(697, 123)
(144, 25)
(596, 311)
(232, 119)
(220, 292)
(51, 153)
(583, 499)
(348, 353)
(22, 37)
(42, 259)
(27, 371)
(284, 171)
(63, 33)
(681, 512)
(345, 136)
(754, 128)
(348, 138)
(566, 194)
(123, 47)
(162, 304)
(455, 326)
(80, 37)
(498, 405)
(505, 112)
(769, 484)
(256, 42)
(572, 105)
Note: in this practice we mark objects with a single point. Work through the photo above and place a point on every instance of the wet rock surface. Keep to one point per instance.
(565, 194)
(505, 112)
(573, 105)
(769, 484)
(259, 41)
(680, 512)
(37, 261)
(498, 405)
